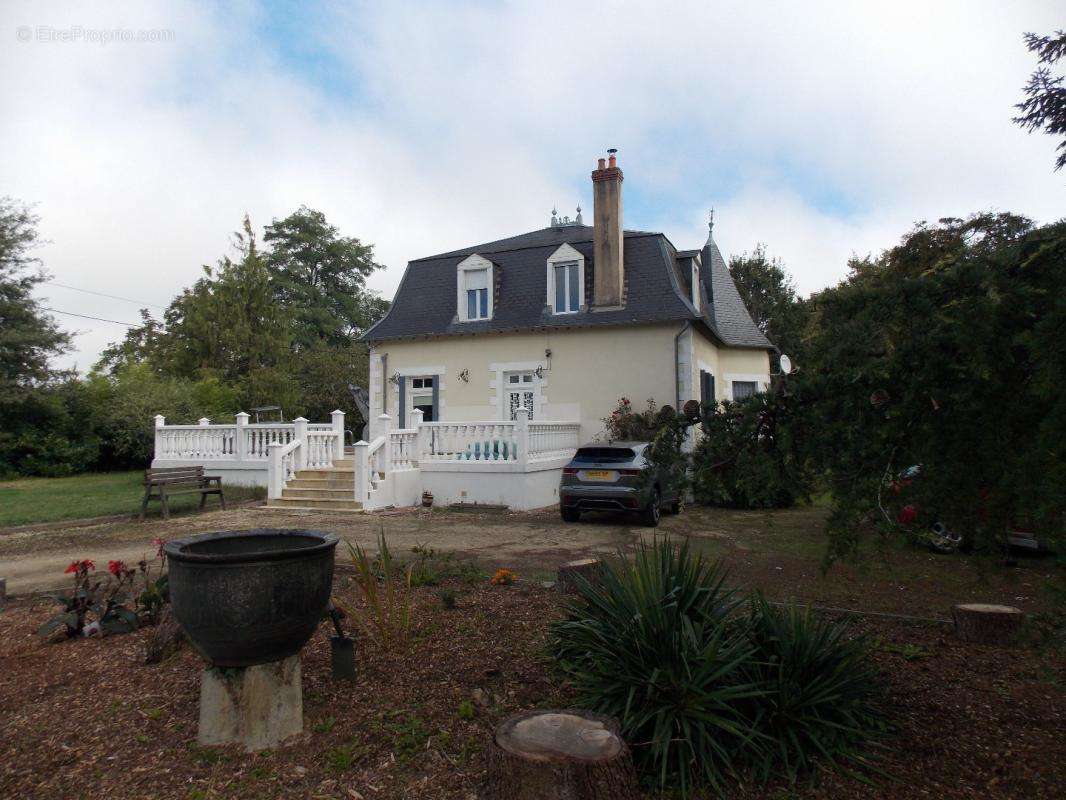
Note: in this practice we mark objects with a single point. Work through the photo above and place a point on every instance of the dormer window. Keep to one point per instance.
(474, 282)
(566, 281)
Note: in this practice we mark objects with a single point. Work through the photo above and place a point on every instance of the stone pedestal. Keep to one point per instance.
(257, 707)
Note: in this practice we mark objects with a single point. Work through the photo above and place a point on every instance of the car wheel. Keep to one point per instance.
(651, 513)
(569, 514)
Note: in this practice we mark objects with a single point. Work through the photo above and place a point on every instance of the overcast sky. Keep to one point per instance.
(821, 129)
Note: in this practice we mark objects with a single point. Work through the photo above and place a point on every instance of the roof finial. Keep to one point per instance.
(579, 221)
(555, 217)
(710, 226)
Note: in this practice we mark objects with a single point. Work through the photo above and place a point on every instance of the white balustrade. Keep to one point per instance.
(469, 441)
(259, 436)
(282, 465)
(553, 439)
(403, 449)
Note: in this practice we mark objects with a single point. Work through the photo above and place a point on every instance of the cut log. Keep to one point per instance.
(987, 624)
(591, 569)
(165, 640)
(549, 755)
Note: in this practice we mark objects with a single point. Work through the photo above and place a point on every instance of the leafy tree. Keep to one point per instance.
(946, 354)
(770, 296)
(28, 337)
(321, 277)
(228, 324)
(1045, 96)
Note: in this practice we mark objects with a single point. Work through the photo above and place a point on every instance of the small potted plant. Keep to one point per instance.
(427, 499)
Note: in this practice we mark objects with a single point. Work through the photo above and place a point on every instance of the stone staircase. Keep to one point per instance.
(331, 489)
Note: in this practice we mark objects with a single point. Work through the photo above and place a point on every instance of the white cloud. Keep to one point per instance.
(820, 129)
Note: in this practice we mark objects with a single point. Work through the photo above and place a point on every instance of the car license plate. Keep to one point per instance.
(600, 475)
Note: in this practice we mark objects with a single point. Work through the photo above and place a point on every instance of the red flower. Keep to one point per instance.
(907, 515)
(159, 542)
(72, 568)
(80, 566)
(116, 568)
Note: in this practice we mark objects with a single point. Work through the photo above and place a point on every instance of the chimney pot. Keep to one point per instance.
(602, 164)
(611, 162)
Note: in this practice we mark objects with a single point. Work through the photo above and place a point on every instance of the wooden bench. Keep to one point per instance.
(170, 481)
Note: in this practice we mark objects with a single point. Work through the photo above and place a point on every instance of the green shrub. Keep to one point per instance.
(819, 700)
(701, 693)
(651, 644)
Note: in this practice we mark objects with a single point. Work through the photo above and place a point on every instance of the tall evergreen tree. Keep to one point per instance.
(29, 338)
(1045, 96)
(770, 296)
(321, 276)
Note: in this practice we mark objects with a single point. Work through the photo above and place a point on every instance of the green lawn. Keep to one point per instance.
(93, 495)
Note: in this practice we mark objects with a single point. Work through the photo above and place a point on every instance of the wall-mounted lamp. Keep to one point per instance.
(394, 379)
(464, 376)
(539, 372)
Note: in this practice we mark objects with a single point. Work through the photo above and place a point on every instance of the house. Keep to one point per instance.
(495, 362)
(564, 321)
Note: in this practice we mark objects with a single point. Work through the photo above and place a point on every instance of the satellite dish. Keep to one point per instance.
(786, 364)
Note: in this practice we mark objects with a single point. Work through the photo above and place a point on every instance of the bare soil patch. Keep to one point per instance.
(85, 718)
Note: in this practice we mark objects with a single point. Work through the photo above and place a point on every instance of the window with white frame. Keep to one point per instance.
(422, 397)
(566, 280)
(474, 283)
(744, 389)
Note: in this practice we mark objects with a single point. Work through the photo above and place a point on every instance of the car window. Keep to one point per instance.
(604, 455)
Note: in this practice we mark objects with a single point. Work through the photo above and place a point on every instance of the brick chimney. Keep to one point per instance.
(607, 233)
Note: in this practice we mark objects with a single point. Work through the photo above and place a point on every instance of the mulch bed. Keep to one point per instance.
(86, 718)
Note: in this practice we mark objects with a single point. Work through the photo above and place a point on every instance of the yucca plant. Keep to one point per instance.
(386, 587)
(818, 704)
(650, 643)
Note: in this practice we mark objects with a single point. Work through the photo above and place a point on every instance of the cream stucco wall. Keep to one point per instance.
(589, 369)
(727, 364)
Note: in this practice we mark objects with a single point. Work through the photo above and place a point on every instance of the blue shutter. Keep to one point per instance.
(471, 304)
(402, 397)
(436, 398)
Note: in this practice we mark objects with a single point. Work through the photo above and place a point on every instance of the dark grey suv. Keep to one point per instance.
(615, 477)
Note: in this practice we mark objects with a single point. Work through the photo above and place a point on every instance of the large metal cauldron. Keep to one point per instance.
(250, 597)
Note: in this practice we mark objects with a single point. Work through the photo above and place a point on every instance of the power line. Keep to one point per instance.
(86, 316)
(101, 294)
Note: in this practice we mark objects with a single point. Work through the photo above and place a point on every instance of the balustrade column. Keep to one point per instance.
(416, 422)
(300, 435)
(337, 418)
(386, 450)
(361, 460)
(521, 420)
(239, 445)
(160, 421)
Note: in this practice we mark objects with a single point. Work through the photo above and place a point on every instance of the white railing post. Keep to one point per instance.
(386, 454)
(416, 422)
(300, 435)
(337, 418)
(275, 476)
(239, 445)
(160, 421)
(521, 419)
(361, 463)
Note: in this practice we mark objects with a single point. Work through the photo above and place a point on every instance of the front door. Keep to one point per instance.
(522, 391)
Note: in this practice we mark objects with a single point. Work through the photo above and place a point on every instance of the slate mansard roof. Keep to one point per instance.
(656, 290)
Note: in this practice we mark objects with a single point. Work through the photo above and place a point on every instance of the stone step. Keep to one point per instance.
(302, 501)
(321, 494)
(344, 463)
(337, 474)
(321, 483)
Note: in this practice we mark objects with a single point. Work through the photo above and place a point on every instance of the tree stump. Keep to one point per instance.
(987, 624)
(591, 569)
(560, 755)
(165, 640)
